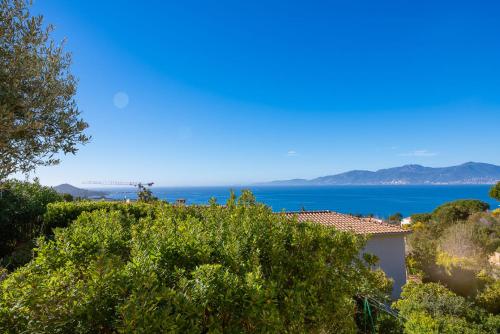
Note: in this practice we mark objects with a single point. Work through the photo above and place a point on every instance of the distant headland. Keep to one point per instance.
(79, 192)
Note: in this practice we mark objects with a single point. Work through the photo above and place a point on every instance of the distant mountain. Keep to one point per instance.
(467, 173)
(78, 192)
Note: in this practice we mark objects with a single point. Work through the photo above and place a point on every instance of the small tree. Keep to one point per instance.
(145, 194)
(395, 218)
(495, 191)
(38, 114)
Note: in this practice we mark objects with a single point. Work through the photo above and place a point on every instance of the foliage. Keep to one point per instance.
(387, 324)
(61, 214)
(457, 247)
(145, 194)
(38, 114)
(486, 230)
(422, 247)
(495, 191)
(489, 298)
(431, 308)
(233, 268)
(412, 266)
(456, 211)
(453, 245)
(395, 218)
(22, 205)
(421, 218)
(68, 197)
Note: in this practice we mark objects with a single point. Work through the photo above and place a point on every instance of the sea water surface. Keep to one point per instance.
(380, 201)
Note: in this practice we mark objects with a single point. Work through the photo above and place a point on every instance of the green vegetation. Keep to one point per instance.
(144, 194)
(149, 266)
(61, 214)
(38, 114)
(451, 246)
(22, 206)
(432, 309)
(452, 232)
(452, 212)
(495, 191)
(395, 218)
(421, 218)
(157, 267)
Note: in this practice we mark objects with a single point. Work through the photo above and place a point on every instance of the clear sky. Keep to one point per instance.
(232, 92)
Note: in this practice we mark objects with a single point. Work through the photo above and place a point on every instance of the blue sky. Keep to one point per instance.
(227, 92)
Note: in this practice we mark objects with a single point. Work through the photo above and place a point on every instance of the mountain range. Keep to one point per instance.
(467, 173)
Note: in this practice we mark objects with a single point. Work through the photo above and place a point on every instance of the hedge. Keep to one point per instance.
(22, 205)
(61, 214)
(432, 308)
(237, 268)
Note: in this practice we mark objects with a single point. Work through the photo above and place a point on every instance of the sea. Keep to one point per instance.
(380, 201)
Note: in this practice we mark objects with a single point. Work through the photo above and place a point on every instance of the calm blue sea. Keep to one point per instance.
(381, 201)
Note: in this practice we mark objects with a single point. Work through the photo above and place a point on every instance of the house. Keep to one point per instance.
(386, 241)
(405, 221)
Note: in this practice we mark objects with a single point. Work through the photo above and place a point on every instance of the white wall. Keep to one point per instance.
(390, 249)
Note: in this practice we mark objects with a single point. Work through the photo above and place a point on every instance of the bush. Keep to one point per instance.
(238, 268)
(495, 191)
(457, 247)
(421, 218)
(456, 211)
(22, 205)
(395, 218)
(451, 245)
(486, 230)
(431, 308)
(489, 298)
(61, 214)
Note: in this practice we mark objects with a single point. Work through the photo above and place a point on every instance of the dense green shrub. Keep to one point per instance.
(450, 213)
(421, 218)
(431, 308)
(489, 298)
(495, 191)
(61, 214)
(451, 245)
(22, 205)
(486, 230)
(429, 228)
(395, 218)
(237, 268)
(456, 211)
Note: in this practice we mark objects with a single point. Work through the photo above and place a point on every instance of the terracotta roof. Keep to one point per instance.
(347, 223)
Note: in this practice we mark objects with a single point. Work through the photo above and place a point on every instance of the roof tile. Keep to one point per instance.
(347, 223)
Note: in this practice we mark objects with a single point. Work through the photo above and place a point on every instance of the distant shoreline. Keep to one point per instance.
(258, 185)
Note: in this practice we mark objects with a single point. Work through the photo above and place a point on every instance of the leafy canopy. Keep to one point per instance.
(451, 245)
(22, 206)
(432, 309)
(495, 191)
(38, 114)
(233, 268)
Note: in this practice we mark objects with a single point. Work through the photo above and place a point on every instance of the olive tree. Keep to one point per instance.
(39, 117)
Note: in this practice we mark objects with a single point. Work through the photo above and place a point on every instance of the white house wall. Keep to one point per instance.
(390, 249)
